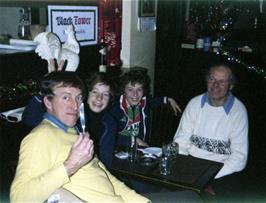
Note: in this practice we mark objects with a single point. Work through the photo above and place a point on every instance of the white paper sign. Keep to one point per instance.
(83, 18)
(147, 24)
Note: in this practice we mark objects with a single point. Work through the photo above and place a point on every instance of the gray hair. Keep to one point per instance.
(232, 78)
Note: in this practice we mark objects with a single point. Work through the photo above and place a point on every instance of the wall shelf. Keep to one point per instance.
(44, 3)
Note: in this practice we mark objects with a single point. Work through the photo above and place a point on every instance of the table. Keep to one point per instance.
(187, 172)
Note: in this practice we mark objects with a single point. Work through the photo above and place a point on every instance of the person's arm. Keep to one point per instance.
(174, 105)
(127, 194)
(38, 175)
(158, 101)
(33, 112)
(141, 143)
(34, 180)
(239, 146)
(186, 127)
(107, 141)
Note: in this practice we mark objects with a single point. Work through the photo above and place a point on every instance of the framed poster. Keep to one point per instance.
(83, 18)
(147, 8)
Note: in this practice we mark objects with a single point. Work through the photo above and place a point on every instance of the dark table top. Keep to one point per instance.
(186, 172)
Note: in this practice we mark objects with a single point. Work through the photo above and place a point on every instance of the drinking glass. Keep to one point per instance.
(166, 150)
(170, 150)
(164, 165)
(174, 149)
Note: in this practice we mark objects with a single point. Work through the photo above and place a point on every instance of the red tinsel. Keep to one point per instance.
(110, 22)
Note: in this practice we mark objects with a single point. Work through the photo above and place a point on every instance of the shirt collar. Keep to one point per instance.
(58, 123)
(124, 104)
(227, 105)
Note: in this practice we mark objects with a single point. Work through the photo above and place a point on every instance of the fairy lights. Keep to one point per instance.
(230, 57)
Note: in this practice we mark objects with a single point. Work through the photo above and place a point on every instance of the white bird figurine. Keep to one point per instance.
(49, 48)
(71, 42)
(70, 51)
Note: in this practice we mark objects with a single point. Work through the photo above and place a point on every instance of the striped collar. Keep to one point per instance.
(227, 105)
(59, 124)
(124, 104)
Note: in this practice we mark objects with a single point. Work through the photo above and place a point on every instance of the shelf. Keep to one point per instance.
(13, 51)
(44, 3)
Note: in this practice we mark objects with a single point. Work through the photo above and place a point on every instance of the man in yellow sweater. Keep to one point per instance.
(53, 157)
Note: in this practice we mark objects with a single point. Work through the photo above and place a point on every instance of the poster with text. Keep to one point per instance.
(83, 18)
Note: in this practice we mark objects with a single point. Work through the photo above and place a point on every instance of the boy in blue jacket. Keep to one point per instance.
(130, 116)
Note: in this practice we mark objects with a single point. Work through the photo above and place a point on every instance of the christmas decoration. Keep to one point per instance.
(226, 21)
(110, 28)
(232, 58)
(17, 94)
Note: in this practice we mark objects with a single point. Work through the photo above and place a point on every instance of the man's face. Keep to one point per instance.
(64, 104)
(98, 98)
(133, 93)
(218, 84)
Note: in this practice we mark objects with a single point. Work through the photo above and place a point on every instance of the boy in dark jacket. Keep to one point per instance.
(130, 116)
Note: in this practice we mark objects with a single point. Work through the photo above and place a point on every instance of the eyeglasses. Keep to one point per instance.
(212, 80)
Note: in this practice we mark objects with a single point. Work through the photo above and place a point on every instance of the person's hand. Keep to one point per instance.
(174, 105)
(61, 65)
(81, 153)
(51, 65)
(141, 142)
(209, 189)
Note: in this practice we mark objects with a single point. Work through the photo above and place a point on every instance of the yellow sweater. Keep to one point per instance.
(41, 171)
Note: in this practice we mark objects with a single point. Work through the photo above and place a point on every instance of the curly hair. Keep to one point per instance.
(136, 75)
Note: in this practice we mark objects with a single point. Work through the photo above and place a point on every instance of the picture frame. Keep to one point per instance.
(147, 8)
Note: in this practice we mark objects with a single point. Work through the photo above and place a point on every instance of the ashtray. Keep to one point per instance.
(147, 160)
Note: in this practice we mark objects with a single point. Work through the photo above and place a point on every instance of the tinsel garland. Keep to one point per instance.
(217, 19)
(230, 57)
(19, 92)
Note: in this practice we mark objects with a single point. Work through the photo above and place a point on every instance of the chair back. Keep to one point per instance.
(163, 125)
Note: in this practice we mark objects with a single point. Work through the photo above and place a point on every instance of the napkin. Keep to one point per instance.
(152, 150)
(122, 155)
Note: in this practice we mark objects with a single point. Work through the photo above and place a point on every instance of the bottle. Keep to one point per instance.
(207, 44)
(24, 23)
(199, 44)
(216, 46)
(103, 56)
